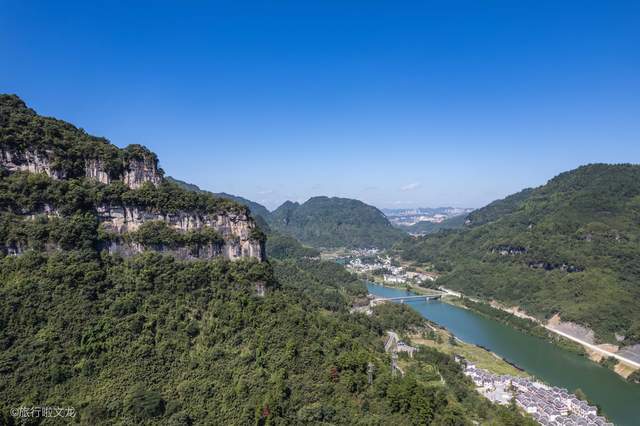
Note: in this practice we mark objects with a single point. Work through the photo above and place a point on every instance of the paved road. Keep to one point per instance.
(595, 348)
(582, 342)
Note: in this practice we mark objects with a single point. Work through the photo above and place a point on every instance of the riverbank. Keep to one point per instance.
(440, 338)
(521, 321)
(538, 357)
(628, 367)
(444, 341)
(518, 322)
(528, 391)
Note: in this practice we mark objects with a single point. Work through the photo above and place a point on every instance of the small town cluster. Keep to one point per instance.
(408, 217)
(369, 261)
(548, 405)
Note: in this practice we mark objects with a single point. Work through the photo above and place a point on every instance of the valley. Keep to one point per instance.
(111, 215)
(536, 356)
(320, 213)
(136, 299)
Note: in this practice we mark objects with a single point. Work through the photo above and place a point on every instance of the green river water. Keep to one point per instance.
(619, 399)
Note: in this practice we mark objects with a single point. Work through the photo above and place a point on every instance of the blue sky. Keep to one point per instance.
(397, 103)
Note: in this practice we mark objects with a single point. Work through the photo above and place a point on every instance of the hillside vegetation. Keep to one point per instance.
(570, 247)
(258, 211)
(335, 222)
(150, 339)
(320, 222)
(66, 146)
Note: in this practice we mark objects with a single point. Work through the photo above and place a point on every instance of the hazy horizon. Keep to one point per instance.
(412, 105)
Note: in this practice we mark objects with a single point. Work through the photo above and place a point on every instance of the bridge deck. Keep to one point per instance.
(408, 298)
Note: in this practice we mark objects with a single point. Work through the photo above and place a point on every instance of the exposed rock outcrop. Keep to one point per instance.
(135, 172)
(35, 144)
(95, 170)
(236, 230)
(238, 233)
(28, 161)
(508, 250)
(547, 266)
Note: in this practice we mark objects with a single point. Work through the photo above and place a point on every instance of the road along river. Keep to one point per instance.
(619, 399)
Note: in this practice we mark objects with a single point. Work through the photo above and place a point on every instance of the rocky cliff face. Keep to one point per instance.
(32, 143)
(95, 170)
(235, 229)
(28, 161)
(138, 172)
(135, 172)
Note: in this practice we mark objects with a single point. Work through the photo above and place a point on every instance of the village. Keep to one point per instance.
(371, 263)
(549, 406)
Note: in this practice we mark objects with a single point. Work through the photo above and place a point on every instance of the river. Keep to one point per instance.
(619, 399)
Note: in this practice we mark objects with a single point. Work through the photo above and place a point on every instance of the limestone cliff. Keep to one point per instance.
(239, 233)
(28, 161)
(35, 144)
(236, 229)
(135, 172)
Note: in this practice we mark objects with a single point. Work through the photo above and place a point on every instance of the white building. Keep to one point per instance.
(394, 279)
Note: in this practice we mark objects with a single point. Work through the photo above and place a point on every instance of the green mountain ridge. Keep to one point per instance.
(279, 245)
(568, 247)
(151, 339)
(335, 222)
(322, 222)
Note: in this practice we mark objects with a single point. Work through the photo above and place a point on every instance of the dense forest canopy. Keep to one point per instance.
(570, 247)
(66, 146)
(151, 339)
(335, 222)
(322, 222)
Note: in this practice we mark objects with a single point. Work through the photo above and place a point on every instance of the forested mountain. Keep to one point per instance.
(570, 247)
(158, 334)
(326, 222)
(335, 222)
(60, 185)
(278, 245)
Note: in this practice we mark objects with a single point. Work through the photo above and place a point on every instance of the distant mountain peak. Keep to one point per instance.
(324, 221)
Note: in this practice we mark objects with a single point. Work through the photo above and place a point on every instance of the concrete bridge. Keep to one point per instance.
(404, 299)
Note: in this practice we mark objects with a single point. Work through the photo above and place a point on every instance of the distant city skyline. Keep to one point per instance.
(411, 104)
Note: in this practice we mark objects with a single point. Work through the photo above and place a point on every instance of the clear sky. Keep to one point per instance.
(396, 103)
